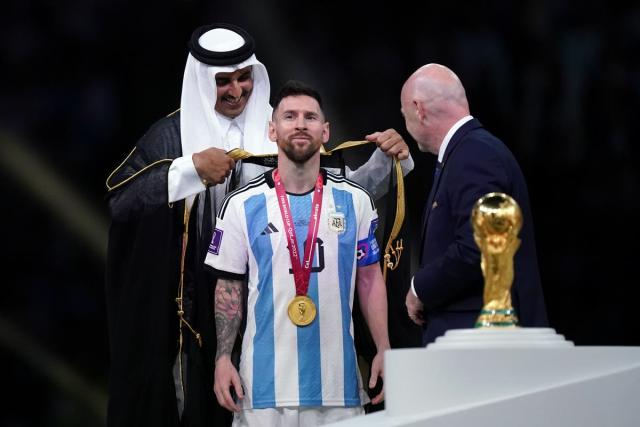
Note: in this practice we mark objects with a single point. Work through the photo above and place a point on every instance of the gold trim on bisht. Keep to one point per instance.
(157, 162)
(392, 254)
(120, 184)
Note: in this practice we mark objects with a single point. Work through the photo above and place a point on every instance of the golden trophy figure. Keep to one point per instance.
(496, 219)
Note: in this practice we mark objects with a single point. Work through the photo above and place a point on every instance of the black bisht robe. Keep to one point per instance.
(142, 280)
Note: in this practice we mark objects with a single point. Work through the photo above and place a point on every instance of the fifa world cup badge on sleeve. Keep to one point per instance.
(216, 240)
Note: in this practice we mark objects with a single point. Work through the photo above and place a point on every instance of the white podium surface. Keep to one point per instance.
(508, 377)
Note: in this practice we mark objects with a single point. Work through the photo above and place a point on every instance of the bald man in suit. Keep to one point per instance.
(447, 288)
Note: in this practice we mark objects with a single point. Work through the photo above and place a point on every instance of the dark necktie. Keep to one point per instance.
(436, 173)
(425, 212)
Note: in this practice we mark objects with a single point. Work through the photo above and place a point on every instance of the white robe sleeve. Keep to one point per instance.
(183, 180)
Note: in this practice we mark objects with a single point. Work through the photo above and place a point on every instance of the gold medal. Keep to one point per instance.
(302, 310)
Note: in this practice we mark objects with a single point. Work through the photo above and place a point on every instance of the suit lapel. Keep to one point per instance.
(451, 147)
(432, 194)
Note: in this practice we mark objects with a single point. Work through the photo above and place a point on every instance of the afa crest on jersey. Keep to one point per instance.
(337, 222)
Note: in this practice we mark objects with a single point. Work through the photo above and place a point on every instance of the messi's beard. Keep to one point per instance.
(300, 155)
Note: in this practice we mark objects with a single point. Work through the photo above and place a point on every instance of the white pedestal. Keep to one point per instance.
(509, 377)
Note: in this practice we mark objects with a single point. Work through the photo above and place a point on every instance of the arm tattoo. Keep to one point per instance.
(228, 310)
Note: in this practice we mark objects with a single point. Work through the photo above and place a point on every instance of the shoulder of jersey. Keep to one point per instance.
(341, 181)
(242, 191)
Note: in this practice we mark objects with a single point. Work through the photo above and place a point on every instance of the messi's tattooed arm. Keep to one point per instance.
(228, 310)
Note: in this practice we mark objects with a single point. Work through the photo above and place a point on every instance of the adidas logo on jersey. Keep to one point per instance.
(269, 229)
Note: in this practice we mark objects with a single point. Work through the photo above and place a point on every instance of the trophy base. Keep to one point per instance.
(514, 337)
(497, 319)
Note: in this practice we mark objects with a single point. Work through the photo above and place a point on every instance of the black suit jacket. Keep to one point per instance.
(449, 279)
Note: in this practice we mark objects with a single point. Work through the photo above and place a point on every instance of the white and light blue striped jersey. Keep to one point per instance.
(283, 364)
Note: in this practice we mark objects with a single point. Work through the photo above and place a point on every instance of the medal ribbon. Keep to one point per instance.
(301, 270)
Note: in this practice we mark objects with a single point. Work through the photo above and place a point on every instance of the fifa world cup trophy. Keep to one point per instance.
(496, 219)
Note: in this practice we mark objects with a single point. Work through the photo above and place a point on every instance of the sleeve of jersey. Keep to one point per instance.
(367, 250)
(228, 254)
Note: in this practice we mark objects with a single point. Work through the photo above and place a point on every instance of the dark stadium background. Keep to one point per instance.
(558, 81)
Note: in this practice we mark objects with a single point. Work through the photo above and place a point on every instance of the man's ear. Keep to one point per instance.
(272, 132)
(325, 132)
(419, 110)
